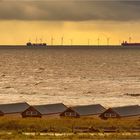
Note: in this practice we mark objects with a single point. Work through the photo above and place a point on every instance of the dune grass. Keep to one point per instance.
(65, 126)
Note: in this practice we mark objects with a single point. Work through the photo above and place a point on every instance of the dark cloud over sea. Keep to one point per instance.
(70, 10)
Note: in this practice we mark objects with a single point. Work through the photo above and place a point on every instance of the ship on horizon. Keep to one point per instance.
(29, 44)
(125, 43)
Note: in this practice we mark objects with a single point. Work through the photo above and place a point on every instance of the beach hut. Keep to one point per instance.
(1, 113)
(31, 112)
(70, 112)
(13, 109)
(132, 111)
(48, 110)
(83, 111)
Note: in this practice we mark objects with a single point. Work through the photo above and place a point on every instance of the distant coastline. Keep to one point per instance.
(70, 47)
(65, 46)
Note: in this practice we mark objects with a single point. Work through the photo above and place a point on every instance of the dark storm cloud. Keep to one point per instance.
(70, 10)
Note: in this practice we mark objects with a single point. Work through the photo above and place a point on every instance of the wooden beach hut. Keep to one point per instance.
(48, 110)
(132, 111)
(83, 111)
(31, 112)
(13, 109)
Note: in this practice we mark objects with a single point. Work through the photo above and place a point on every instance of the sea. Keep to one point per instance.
(74, 76)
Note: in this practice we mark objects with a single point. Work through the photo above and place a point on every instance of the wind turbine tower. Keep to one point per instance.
(108, 40)
(62, 41)
(71, 42)
(52, 39)
(130, 39)
(88, 42)
(98, 41)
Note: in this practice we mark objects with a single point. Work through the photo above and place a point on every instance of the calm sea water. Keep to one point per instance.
(72, 76)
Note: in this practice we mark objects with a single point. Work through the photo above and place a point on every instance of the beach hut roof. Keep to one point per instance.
(50, 108)
(131, 110)
(13, 107)
(89, 109)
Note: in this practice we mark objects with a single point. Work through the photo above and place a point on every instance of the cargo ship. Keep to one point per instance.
(29, 44)
(125, 43)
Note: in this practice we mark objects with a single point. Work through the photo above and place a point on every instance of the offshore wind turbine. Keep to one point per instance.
(62, 40)
(98, 41)
(52, 39)
(29, 40)
(88, 42)
(71, 42)
(130, 39)
(108, 40)
(41, 40)
(36, 40)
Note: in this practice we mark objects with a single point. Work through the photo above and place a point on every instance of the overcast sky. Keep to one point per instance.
(80, 20)
(70, 10)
